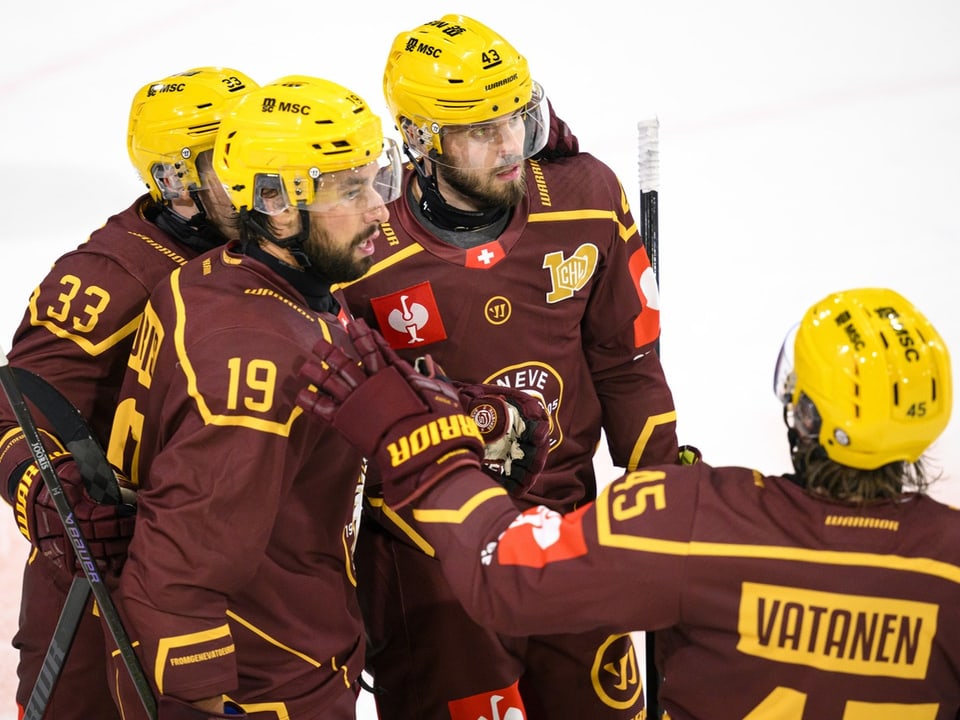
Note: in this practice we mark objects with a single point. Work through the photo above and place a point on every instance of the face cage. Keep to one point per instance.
(426, 137)
(270, 195)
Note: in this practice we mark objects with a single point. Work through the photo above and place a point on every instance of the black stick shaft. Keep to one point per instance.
(649, 162)
(108, 610)
(58, 649)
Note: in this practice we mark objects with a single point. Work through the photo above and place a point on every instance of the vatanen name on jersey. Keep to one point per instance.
(853, 634)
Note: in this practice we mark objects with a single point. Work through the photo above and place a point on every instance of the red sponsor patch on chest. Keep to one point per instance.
(410, 317)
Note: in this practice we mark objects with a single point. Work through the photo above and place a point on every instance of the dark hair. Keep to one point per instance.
(822, 476)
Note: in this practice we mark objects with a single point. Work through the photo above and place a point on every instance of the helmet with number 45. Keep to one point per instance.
(868, 376)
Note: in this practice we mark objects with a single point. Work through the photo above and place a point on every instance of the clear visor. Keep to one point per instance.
(354, 190)
(174, 178)
(504, 140)
(801, 415)
(784, 377)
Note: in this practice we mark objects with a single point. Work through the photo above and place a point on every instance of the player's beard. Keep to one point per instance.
(337, 262)
(478, 187)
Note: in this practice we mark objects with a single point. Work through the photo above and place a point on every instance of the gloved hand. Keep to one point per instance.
(169, 708)
(106, 528)
(412, 427)
(561, 142)
(688, 455)
(514, 425)
(516, 433)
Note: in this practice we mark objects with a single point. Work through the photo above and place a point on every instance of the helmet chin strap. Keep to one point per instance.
(196, 232)
(440, 212)
(293, 244)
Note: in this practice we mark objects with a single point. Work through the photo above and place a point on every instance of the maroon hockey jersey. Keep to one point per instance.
(76, 333)
(239, 579)
(80, 321)
(778, 604)
(562, 305)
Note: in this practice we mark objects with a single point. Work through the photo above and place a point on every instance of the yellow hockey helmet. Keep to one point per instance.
(456, 71)
(876, 373)
(175, 119)
(290, 142)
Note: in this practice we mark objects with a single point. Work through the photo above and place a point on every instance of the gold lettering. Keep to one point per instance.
(854, 634)
(431, 434)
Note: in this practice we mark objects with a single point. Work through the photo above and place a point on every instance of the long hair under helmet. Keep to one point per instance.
(867, 377)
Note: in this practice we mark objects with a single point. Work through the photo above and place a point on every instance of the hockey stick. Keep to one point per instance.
(108, 610)
(649, 162)
(58, 649)
(71, 428)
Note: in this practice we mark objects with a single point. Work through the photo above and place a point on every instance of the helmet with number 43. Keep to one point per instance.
(455, 74)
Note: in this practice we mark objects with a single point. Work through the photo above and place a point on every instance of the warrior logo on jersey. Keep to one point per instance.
(646, 327)
(497, 310)
(616, 673)
(409, 317)
(570, 274)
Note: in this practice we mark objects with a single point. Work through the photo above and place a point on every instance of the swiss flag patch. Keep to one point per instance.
(410, 317)
(484, 256)
(646, 327)
(541, 536)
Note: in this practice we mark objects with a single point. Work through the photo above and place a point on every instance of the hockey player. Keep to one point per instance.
(239, 589)
(830, 593)
(77, 333)
(528, 274)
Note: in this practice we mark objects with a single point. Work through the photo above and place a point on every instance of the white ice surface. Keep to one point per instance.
(804, 148)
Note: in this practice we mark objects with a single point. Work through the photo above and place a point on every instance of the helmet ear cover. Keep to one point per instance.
(806, 419)
(874, 372)
(174, 120)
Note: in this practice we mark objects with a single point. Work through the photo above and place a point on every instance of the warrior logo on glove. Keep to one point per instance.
(412, 428)
(514, 426)
(415, 428)
(106, 528)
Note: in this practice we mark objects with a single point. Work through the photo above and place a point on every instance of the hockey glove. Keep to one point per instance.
(514, 426)
(516, 433)
(561, 142)
(169, 708)
(688, 455)
(412, 427)
(106, 528)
